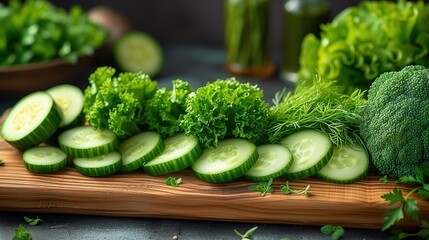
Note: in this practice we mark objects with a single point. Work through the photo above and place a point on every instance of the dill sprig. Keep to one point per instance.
(320, 106)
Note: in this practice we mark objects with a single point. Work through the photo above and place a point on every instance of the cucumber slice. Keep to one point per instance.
(69, 99)
(311, 151)
(140, 149)
(100, 165)
(274, 160)
(231, 159)
(85, 141)
(31, 121)
(45, 159)
(138, 51)
(179, 153)
(347, 165)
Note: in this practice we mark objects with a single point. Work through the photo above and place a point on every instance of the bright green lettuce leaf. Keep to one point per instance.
(117, 103)
(366, 40)
(166, 109)
(226, 108)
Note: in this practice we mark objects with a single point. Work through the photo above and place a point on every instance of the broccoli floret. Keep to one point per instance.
(395, 122)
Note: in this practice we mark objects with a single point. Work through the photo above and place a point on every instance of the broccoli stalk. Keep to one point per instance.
(395, 122)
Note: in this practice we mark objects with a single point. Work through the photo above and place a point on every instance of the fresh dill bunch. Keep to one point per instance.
(320, 106)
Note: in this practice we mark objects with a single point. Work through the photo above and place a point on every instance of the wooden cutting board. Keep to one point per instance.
(136, 194)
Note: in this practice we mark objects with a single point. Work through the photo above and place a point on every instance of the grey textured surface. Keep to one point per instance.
(197, 65)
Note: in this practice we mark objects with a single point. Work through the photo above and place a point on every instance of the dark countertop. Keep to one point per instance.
(196, 65)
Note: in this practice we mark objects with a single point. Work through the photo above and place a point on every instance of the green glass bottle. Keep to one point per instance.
(247, 38)
(300, 17)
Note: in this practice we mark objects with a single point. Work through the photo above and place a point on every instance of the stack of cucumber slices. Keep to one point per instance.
(39, 116)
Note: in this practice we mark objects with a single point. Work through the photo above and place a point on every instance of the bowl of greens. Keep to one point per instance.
(43, 45)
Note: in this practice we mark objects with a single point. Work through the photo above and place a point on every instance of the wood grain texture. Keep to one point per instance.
(136, 194)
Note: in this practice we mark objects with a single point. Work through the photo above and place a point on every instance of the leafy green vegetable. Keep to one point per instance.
(423, 233)
(262, 187)
(366, 40)
(334, 231)
(1, 162)
(172, 181)
(285, 189)
(35, 31)
(21, 234)
(319, 106)
(226, 108)
(247, 235)
(406, 203)
(117, 103)
(395, 123)
(33, 221)
(166, 109)
(383, 179)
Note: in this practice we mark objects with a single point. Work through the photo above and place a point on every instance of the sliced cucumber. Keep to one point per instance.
(31, 121)
(231, 159)
(138, 51)
(347, 165)
(69, 99)
(311, 151)
(45, 159)
(179, 153)
(274, 160)
(100, 165)
(140, 149)
(85, 141)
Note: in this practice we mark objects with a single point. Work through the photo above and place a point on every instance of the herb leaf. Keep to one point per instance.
(247, 235)
(383, 179)
(172, 181)
(32, 221)
(263, 187)
(334, 231)
(287, 190)
(21, 234)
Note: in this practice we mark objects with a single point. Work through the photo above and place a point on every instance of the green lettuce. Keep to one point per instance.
(36, 31)
(226, 108)
(117, 102)
(166, 109)
(366, 40)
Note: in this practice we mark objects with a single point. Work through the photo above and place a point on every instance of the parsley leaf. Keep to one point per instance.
(287, 190)
(334, 231)
(21, 234)
(172, 181)
(407, 205)
(33, 221)
(383, 179)
(262, 187)
(247, 235)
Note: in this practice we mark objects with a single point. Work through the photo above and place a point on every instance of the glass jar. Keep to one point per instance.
(247, 38)
(300, 17)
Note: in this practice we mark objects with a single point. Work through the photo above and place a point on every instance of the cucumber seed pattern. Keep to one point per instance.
(302, 150)
(265, 160)
(26, 115)
(224, 153)
(342, 159)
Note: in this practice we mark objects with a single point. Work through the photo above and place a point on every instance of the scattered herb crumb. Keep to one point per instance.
(287, 190)
(247, 235)
(32, 221)
(383, 179)
(262, 187)
(21, 234)
(172, 181)
(1, 162)
(334, 231)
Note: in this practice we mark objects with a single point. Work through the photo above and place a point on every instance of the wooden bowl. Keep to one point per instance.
(23, 79)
